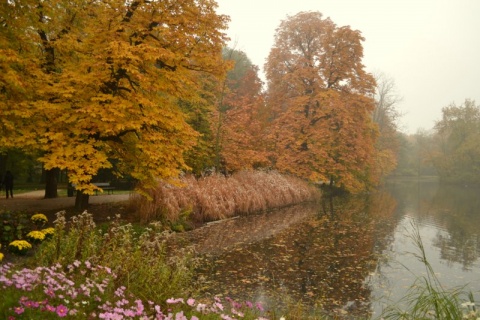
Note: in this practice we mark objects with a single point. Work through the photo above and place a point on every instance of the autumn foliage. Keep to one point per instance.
(148, 89)
(243, 143)
(320, 100)
(85, 82)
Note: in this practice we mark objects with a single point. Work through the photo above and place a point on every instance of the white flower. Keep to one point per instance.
(468, 304)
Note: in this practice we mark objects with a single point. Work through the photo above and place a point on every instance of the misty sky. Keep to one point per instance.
(430, 48)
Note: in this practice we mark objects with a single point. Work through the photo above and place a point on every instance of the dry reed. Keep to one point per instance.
(217, 197)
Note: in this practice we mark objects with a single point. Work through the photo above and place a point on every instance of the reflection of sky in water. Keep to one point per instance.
(397, 271)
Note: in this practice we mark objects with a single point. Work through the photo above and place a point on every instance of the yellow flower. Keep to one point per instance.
(36, 236)
(48, 232)
(1, 256)
(39, 218)
(19, 246)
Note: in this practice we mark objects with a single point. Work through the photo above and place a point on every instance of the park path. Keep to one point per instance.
(34, 202)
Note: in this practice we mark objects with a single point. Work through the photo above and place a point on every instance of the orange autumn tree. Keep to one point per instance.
(321, 102)
(89, 81)
(243, 118)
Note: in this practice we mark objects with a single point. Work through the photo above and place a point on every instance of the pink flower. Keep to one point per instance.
(49, 292)
(173, 301)
(259, 306)
(62, 311)
(50, 308)
(120, 291)
(191, 302)
(18, 310)
(180, 316)
(219, 305)
(139, 307)
(100, 288)
(29, 304)
(129, 313)
(122, 302)
(201, 307)
(236, 305)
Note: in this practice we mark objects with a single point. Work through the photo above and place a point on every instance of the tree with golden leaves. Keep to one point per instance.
(321, 102)
(85, 82)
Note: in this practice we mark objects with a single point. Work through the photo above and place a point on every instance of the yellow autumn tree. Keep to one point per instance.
(89, 81)
(321, 102)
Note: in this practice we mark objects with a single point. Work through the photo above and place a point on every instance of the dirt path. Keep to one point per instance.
(34, 202)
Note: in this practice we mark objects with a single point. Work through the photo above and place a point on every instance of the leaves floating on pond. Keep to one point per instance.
(316, 259)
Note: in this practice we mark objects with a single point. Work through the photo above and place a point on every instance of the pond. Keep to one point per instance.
(351, 256)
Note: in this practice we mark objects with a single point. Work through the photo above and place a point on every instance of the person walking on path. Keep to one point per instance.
(8, 182)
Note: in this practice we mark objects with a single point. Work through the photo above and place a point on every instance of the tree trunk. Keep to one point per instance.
(51, 183)
(81, 200)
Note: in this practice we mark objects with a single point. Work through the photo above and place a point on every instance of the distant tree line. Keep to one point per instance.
(450, 150)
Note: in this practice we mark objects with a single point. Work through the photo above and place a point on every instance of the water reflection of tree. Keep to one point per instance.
(456, 210)
(322, 260)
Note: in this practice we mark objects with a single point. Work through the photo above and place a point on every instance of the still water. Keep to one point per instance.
(350, 257)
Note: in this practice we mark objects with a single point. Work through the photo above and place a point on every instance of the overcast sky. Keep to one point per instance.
(430, 48)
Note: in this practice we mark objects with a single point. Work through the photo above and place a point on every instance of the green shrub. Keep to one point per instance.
(138, 257)
(13, 226)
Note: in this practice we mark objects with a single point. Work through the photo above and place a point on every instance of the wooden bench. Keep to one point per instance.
(105, 186)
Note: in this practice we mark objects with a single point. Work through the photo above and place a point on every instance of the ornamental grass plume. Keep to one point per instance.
(217, 196)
